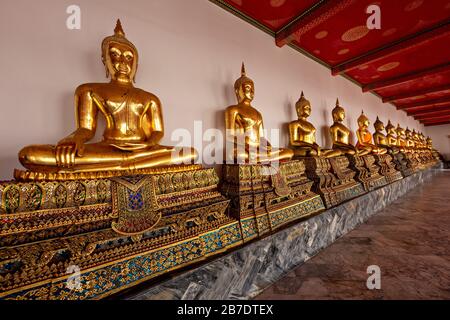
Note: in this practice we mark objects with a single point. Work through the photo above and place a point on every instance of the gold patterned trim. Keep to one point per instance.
(66, 176)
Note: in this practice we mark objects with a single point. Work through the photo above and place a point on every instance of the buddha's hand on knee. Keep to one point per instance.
(66, 151)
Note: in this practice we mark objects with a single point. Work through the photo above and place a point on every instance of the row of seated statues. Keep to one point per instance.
(127, 209)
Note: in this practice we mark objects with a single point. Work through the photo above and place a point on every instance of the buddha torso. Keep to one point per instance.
(304, 131)
(380, 139)
(342, 133)
(248, 121)
(364, 137)
(392, 139)
(124, 109)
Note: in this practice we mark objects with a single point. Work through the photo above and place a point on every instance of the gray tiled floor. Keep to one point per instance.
(409, 240)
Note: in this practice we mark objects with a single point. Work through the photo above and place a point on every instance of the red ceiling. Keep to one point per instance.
(406, 62)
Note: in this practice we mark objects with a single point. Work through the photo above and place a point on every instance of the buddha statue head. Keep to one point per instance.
(429, 142)
(119, 56)
(378, 125)
(303, 107)
(363, 121)
(390, 128)
(400, 131)
(338, 112)
(408, 133)
(244, 87)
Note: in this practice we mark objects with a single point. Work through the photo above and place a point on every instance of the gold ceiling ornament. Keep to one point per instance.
(355, 33)
(413, 5)
(277, 3)
(321, 34)
(388, 66)
(343, 51)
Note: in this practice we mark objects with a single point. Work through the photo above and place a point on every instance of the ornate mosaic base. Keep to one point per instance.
(367, 172)
(333, 180)
(105, 280)
(387, 168)
(262, 224)
(48, 227)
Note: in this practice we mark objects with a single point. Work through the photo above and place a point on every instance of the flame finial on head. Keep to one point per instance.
(118, 30)
(242, 79)
(302, 102)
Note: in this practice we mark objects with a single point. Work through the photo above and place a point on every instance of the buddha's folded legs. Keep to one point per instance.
(276, 155)
(304, 151)
(254, 158)
(345, 149)
(100, 156)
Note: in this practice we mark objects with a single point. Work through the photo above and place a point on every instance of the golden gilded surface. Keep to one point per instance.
(134, 124)
(391, 136)
(365, 143)
(401, 137)
(340, 134)
(244, 125)
(302, 133)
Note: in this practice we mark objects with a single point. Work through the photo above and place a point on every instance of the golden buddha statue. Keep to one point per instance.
(134, 124)
(244, 126)
(416, 139)
(401, 138)
(429, 143)
(379, 138)
(391, 136)
(340, 134)
(302, 133)
(409, 139)
(365, 137)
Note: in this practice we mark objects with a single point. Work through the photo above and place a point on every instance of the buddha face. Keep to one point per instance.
(304, 111)
(363, 123)
(245, 92)
(379, 126)
(120, 61)
(338, 114)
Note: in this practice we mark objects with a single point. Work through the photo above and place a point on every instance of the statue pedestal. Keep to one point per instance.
(387, 168)
(402, 164)
(265, 198)
(117, 232)
(333, 180)
(367, 172)
(412, 161)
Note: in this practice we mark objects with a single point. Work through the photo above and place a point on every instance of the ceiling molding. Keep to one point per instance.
(425, 110)
(396, 47)
(433, 102)
(436, 123)
(432, 115)
(309, 19)
(411, 76)
(416, 93)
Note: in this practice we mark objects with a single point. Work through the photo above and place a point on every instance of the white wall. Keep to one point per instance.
(190, 55)
(441, 138)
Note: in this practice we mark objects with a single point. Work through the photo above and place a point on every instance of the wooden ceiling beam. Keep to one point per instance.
(424, 110)
(432, 115)
(382, 84)
(419, 39)
(426, 103)
(436, 123)
(417, 93)
(314, 16)
(436, 119)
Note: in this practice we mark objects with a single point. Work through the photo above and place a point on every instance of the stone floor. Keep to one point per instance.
(409, 240)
